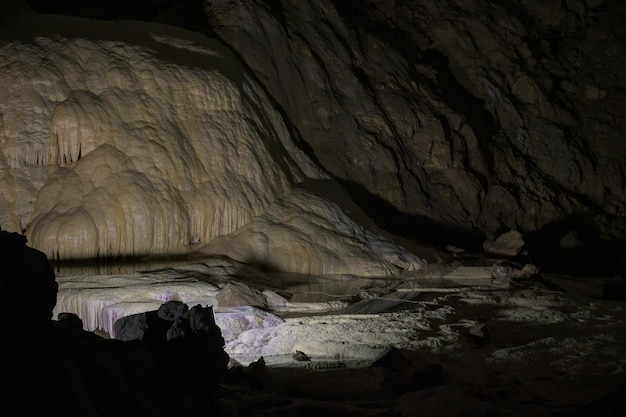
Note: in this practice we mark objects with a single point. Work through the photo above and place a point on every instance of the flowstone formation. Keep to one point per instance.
(129, 139)
(280, 240)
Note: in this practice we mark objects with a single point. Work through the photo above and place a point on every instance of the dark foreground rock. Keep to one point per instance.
(615, 290)
(27, 283)
(609, 405)
(186, 342)
(51, 368)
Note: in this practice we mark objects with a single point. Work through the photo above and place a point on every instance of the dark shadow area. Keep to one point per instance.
(462, 101)
(55, 368)
(446, 84)
(188, 14)
(572, 245)
(422, 229)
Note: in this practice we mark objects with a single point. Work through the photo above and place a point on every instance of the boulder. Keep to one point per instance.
(172, 310)
(507, 244)
(301, 356)
(235, 294)
(479, 334)
(189, 347)
(147, 327)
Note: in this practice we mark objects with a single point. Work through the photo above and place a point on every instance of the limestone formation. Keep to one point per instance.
(127, 139)
(445, 121)
(308, 234)
(132, 139)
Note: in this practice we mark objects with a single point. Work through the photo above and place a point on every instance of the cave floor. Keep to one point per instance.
(544, 352)
(428, 346)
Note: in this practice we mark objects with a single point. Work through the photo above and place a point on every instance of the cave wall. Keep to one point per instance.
(483, 115)
(444, 121)
(127, 139)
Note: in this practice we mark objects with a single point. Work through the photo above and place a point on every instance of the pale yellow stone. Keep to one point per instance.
(150, 137)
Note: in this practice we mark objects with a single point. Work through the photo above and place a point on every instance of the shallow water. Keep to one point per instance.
(115, 267)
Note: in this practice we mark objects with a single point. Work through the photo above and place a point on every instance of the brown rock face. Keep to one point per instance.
(479, 115)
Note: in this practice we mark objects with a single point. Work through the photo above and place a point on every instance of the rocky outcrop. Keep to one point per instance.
(56, 368)
(477, 115)
(186, 342)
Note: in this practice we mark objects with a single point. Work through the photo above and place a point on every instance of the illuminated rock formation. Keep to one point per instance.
(129, 139)
(308, 234)
(126, 139)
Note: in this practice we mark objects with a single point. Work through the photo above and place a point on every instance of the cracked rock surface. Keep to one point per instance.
(482, 115)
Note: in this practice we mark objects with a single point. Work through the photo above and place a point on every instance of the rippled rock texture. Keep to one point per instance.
(130, 139)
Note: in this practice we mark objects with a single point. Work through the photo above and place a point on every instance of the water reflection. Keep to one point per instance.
(329, 290)
(114, 267)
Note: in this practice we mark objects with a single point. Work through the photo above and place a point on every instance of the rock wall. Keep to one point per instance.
(446, 121)
(480, 115)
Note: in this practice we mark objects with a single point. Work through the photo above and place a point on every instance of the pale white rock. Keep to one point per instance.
(342, 336)
(235, 294)
(101, 300)
(235, 320)
(274, 301)
(308, 234)
(133, 138)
